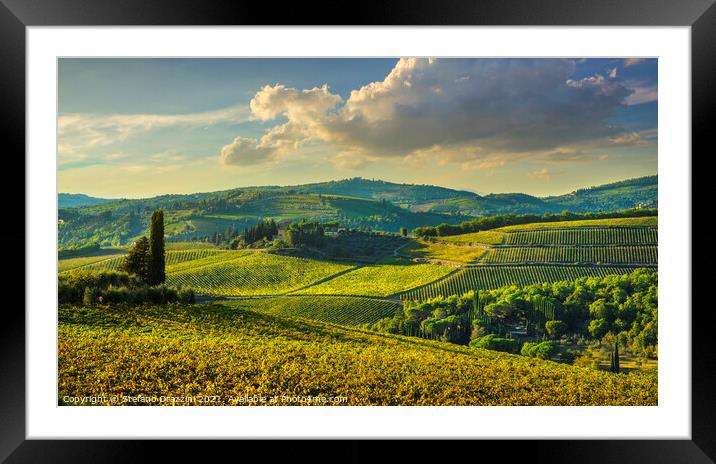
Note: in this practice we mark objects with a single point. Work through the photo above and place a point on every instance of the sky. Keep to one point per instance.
(132, 128)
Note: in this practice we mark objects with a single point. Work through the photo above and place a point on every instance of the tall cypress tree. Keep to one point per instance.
(156, 249)
(616, 357)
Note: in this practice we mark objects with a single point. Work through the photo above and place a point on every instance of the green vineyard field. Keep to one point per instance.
(380, 280)
(85, 262)
(646, 221)
(210, 258)
(574, 254)
(489, 277)
(112, 262)
(340, 310)
(251, 273)
(180, 256)
(189, 245)
(584, 236)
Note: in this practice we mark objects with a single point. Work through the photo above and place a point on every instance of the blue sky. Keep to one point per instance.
(141, 127)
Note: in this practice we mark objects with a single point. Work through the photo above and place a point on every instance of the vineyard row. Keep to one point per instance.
(490, 277)
(584, 236)
(647, 254)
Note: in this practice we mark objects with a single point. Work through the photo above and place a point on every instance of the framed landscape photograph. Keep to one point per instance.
(357, 218)
(383, 231)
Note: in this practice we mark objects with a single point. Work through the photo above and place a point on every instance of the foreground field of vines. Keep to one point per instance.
(489, 277)
(574, 254)
(341, 310)
(225, 353)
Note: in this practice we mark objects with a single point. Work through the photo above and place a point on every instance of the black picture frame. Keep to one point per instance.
(16, 15)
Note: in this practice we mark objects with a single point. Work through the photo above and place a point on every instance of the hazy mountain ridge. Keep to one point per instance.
(68, 200)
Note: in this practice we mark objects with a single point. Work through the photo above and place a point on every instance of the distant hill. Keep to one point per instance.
(380, 189)
(633, 193)
(355, 203)
(67, 200)
(642, 192)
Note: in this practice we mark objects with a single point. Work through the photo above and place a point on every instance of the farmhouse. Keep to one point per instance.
(282, 228)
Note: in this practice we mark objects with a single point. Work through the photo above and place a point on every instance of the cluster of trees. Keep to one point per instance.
(355, 245)
(226, 237)
(90, 288)
(502, 220)
(493, 342)
(146, 257)
(448, 319)
(85, 225)
(617, 307)
(539, 349)
(300, 234)
(263, 230)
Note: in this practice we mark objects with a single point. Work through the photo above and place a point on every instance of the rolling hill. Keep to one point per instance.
(641, 192)
(355, 203)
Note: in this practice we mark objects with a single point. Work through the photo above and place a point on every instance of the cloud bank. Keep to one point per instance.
(478, 112)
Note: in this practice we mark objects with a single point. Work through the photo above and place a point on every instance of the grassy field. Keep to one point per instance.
(341, 310)
(442, 251)
(647, 221)
(487, 237)
(227, 353)
(251, 273)
(380, 279)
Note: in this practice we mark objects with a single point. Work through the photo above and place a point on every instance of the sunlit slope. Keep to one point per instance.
(225, 352)
(251, 273)
(380, 279)
(443, 251)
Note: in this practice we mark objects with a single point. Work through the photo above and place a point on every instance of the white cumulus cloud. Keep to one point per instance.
(477, 112)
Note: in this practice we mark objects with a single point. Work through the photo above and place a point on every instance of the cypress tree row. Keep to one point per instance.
(157, 274)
